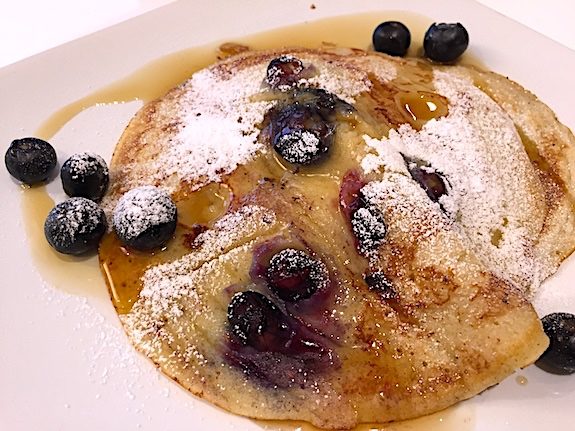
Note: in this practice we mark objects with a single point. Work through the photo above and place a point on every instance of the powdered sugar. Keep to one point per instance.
(85, 164)
(490, 179)
(73, 217)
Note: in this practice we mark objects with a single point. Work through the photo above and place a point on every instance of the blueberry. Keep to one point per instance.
(75, 226)
(391, 37)
(559, 358)
(30, 160)
(294, 275)
(431, 181)
(445, 42)
(300, 134)
(85, 175)
(369, 228)
(145, 218)
(257, 322)
(284, 72)
(378, 282)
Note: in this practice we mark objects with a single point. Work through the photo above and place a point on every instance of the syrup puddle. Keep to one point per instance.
(74, 275)
(458, 418)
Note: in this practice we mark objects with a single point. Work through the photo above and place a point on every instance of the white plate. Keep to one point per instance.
(65, 364)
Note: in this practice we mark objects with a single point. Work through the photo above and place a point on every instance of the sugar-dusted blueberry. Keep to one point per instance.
(86, 175)
(75, 226)
(369, 228)
(300, 134)
(145, 218)
(283, 72)
(378, 282)
(30, 160)
(257, 322)
(294, 275)
(445, 42)
(431, 181)
(391, 37)
(559, 358)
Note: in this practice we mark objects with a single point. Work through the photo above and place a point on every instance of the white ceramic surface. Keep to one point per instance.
(65, 364)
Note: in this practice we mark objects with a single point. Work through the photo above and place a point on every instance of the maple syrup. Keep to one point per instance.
(419, 107)
(75, 275)
(458, 418)
(157, 77)
(154, 80)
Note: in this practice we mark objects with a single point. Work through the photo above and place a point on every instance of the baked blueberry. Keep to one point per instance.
(559, 358)
(391, 37)
(145, 218)
(369, 228)
(431, 181)
(378, 282)
(284, 72)
(445, 42)
(85, 175)
(30, 160)
(75, 226)
(300, 134)
(294, 275)
(257, 322)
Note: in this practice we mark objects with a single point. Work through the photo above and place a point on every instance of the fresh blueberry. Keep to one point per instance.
(145, 218)
(431, 181)
(445, 42)
(85, 175)
(30, 160)
(559, 358)
(284, 72)
(294, 275)
(391, 37)
(378, 282)
(75, 226)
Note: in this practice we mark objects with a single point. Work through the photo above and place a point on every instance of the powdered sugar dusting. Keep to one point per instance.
(164, 284)
(85, 164)
(492, 187)
(141, 208)
(186, 282)
(218, 125)
(73, 217)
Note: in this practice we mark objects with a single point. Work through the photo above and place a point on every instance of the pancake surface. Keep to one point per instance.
(444, 199)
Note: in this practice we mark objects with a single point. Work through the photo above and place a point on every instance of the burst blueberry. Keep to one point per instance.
(294, 275)
(257, 322)
(284, 72)
(379, 283)
(431, 181)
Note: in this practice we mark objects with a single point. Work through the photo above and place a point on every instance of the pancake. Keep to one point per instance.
(357, 244)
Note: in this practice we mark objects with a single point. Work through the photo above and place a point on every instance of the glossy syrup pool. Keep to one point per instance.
(83, 277)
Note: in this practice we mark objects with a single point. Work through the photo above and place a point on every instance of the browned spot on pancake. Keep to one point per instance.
(554, 185)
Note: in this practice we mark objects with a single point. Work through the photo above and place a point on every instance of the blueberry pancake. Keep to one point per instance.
(358, 235)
